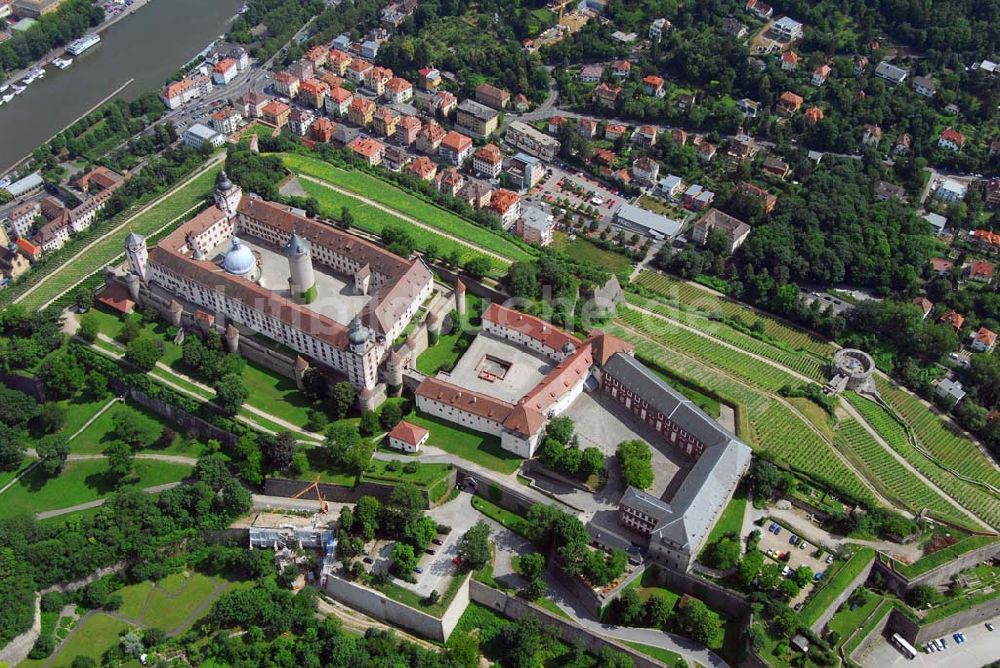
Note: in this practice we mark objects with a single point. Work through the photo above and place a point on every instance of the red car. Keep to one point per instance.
(457, 561)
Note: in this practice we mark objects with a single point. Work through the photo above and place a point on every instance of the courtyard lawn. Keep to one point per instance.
(97, 634)
(80, 482)
(502, 516)
(587, 251)
(731, 520)
(422, 475)
(418, 602)
(846, 621)
(647, 586)
(482, 449)
(79, 409)
(445, 353)
(395, 198)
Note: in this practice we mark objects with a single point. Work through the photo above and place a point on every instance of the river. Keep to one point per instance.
(147, 46)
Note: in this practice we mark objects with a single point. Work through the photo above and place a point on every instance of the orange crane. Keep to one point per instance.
(323, 507)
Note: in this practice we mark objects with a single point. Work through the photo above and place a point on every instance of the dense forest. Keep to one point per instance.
(71, 20)
(283, 19)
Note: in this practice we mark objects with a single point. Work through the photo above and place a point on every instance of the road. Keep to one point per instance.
(980, 648)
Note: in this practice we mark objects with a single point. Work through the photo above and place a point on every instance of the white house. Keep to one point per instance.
(951, 191)
(408, 437)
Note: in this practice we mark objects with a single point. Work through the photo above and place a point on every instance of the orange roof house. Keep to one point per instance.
(956, 320)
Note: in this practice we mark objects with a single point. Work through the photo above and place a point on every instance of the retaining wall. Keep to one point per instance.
(728, 602)
(340, 493)
(380, 606)
(565, 630)
(30, 386)
(873, 636)
(918, 634)
(940, 575)
(831, 610)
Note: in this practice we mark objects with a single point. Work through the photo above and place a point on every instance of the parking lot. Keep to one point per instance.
(563, 182)
(981, 646)
(777, 545)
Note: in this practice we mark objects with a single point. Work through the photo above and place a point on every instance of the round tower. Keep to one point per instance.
(300, 368)
(394, 378)
(132, 283)
(433, 327)
(301, 280)
(460, 297)
(254, 144)
(232, 338)
(358, 336)
(227, 194)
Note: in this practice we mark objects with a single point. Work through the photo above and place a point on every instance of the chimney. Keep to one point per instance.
(474, 399)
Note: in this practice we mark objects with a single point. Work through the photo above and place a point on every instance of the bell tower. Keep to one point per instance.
(227, 194)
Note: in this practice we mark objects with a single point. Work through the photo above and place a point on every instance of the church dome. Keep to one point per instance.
(222, 182)
(239, 259)
(357, 333)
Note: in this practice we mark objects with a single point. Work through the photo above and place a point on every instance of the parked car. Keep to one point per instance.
(929, 648)
(368, 560)
(457, 561)
(989, 627)
(429, 551)
(944, 643)
(418, 570)
(438, 541)
(829, 558)
(777, 530)
(794, 539)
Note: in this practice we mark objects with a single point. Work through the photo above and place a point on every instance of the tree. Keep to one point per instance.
(83, 298)
(628, 608)
(343, 398)
(478, 267)
(750, 565)
(405, 506)
(561, 429)
(96, 384)
(923, 596)
(802, 576)
(403, 559)
(369, 423)
(531, 565)
(230, 393)
(522, 641)
(656, 611)
(536, 589)
(62, 375)
(698, 622)
(522, 279)
(11, 449)
(52, 450)
(144, 352)
(367, 513)
(16, 408)
(474, 545)
(119, 456)
(724, 553)
(89, 327)
(136, 434)
(635, 462)
(346, 218)
(391, 415)
(279, 451)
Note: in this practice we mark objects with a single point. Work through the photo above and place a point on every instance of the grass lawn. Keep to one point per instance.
(7, 476)
(169, 603)
(660, 654)
(276, 394)
(731, 520)
(416, 601)
(93, 637)
(818, 417)
(820, 600)
(585, 250)
(80, 482)
(502, 516)
(646, 586)
(846, 621)
(445, 353)
(318, 465)
(395, 198)
(475, 447)
(95, 438)
(78, 411)
(424, 475)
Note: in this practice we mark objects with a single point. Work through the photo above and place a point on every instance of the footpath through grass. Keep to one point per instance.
(104, 252)
(80, 482)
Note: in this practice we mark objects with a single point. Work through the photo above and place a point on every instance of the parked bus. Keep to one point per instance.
(903, 646)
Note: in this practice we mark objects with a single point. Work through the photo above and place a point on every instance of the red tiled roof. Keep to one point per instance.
(409, 433)
(116, 296)
(502, 201)
(986, 336)
(530, 326)
(953, 135)
(456, 141)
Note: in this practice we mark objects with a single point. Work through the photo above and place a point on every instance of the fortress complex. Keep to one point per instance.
(330, 296)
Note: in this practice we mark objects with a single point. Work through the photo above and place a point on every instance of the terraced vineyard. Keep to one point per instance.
(972, 497)
(803, 363)
(895, 480)
(694, 297)
(773, 427)
(747, 368)
(952, 449)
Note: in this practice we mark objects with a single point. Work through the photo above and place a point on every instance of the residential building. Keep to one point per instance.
(525, 138)
(871, 135)
(507, 205)
(953, 318)
(774, 165)
(886, 191)
(748, 107)
(679, 136)
(395, 159)
(12, 263)
(313, 92)
(591, 73)
(456, 148)
(23, 216)
(300, 120)
(948, 388)
(734, 230)
(369, 49)
(398, 90)
(614, 131)
(889, 72)
(767, 200)
(759, 9)
(984, 340)
(358, 69)
(820, 75)
(925, 305)
(646, 135)
(789, 60)
(384, 122)
(813, 115)
(376, 78)
(653, 85)
(734, 28)
(586, 128)
(276, 113)
(526, 170)
(338, 61)
(199, 135)
(338, 102)
(536, 226)
(491, 96)
(29, 250)
(657, 28)
(407, 130)
(924, 86)
(706, 151)
(951, 139)
(430, 79)
(903, 144)
(697, 197)
(449, 181)
(224, 71)
(429, 138)
(479, 120)
(444, 103)
(227, 120)
(189, 88)
(407, 437)
(670, 186)
(951, 191)
(368, 150)
(253, 102)
(322, 130)
(941, 266)
(786, 29)
(981, 271)
(477, 194)
(991, 191)
(645, 170)
(53, 235)
(936, 221)
(606, 94)
(423, 168)
(636, 219)
(686, 101)
(361, 111)
(788, 104)
(556, 122)
(318, 56)
(860, 65)
(742, 147)
(621, 68)
(301, 70)
(287, 84)
(488, 161)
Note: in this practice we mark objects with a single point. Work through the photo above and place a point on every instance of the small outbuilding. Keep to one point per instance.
(408, 437)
